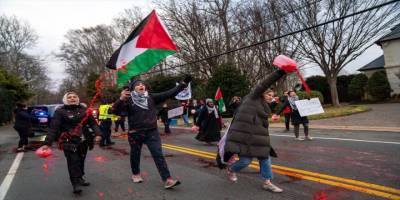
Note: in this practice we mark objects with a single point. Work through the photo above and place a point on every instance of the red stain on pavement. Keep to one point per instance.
(100, 158)
(320, 196)
(130, 190)
(101, 194)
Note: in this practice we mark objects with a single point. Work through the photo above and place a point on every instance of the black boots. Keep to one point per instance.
(77, 183)
(83, 182)
(76, 189)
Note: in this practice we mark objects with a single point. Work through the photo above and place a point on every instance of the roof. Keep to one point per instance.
(393, 35)
(378, 63)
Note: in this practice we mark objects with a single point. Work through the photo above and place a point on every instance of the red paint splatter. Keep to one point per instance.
(100, 158)
(45, 167)
(144, 174)
(130, 190)
(101, 194)
(320, 196)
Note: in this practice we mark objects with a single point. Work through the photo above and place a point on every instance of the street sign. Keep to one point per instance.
(309, 107)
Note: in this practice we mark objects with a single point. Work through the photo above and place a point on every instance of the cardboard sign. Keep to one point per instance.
(175, 112)
(309, 107)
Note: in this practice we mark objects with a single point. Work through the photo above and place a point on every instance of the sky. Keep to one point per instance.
(51, 19)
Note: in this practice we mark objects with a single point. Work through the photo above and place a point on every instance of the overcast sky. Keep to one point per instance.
(51, 19)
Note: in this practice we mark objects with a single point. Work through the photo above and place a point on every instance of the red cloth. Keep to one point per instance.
(287, 110)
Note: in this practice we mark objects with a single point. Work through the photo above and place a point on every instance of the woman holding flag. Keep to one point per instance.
(248, 134)
(142, 120)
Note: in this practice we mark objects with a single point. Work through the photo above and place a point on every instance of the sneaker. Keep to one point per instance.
(298, 139)
(137, 178)
(83, 182)
(309, 138)
(20, 150)
(170, 183)
(272, 188)
(231, 175)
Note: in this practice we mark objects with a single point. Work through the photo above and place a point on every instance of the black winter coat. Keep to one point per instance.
(23, 120)
(142, 119)
(65, 119)
(209, 126)
(248, 134)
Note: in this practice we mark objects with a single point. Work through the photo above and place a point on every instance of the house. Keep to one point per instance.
(376, 65)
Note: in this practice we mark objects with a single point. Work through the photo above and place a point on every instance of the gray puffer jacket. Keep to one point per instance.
(248, 134)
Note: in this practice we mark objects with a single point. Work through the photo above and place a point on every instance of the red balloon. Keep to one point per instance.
(285, 63)
(43, 153)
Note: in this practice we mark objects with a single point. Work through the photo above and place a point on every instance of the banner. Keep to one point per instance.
(309, 107)
(185, 94)
(175, 112)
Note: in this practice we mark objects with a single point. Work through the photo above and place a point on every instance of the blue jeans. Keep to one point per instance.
(265, 166)
(185, 119)
(153, 141)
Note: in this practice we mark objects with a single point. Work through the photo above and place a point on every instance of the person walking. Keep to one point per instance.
(23, 125)
(68, 126)
(248, 134)
(142, 119)
(163, 115)
(209, 123)
(295, 116)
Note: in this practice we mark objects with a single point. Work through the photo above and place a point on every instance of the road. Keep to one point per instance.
(336, 165)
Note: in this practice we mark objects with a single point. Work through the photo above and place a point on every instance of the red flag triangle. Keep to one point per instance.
(154, 36)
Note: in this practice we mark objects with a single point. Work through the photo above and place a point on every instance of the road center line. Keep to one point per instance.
(5, 185)
(363, 187)
(343, 139)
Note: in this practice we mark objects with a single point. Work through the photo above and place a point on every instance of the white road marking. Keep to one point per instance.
(5, 185)
(344, 139)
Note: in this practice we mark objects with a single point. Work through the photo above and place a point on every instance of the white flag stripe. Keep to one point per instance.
(128, 52)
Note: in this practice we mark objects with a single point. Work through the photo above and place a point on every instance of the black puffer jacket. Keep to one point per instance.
(142, 119)
(23, 120)
(65, 119)
(248, 134)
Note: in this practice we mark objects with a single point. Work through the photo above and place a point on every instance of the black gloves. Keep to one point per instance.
(187, 79)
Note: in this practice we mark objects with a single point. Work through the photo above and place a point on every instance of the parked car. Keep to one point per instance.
(44, 114)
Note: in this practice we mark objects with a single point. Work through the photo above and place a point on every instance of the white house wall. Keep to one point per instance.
(391, 53)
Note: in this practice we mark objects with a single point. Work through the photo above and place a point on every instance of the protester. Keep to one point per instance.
(68, 127)
(248, 134)
(23, 125)
(163, 115)
(197, 109)
(234, 104)
(120, 122)
(142, 120)
(185, 115)
(295, 115)
(106, 120)
(209, 123)
(287, 110)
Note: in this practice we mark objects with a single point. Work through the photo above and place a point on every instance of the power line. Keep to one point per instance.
(271, 20)
(279, 37)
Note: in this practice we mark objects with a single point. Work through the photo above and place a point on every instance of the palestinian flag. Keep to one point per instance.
(145, 47)
(220, 100)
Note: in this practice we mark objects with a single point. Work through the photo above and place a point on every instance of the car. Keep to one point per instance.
(44, 114)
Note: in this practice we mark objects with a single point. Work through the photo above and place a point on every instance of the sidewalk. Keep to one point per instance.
(382, 117)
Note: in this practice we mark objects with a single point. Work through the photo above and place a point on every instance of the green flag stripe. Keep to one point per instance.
(142, 63)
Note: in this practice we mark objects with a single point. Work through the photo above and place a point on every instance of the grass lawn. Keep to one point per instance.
(330, 112)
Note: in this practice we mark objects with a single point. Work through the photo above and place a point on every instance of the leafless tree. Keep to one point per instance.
(86, 51)
(334, 45)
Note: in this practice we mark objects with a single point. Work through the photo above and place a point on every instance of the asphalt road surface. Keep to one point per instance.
(335, 165)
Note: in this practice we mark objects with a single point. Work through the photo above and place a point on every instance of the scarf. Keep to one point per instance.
(292, 100)
(64, 100)
(213, 109)
(140, 99)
